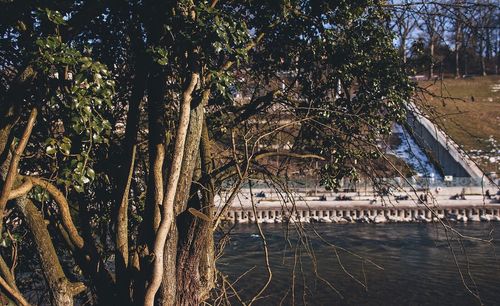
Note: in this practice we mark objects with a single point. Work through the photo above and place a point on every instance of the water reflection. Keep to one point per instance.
(418, 265)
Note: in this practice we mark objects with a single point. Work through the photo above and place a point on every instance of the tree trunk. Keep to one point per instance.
(402, 48)
(431, 60)
(189, 266)
(61, 290)
(124, 175)
(168, 289)
(168, 204)
(189, 164)
(466, 63)
(154, 196)
(457, 51)
(194, 247)
(156, 149)
(196, 258)
(481, 56)
(488, 43)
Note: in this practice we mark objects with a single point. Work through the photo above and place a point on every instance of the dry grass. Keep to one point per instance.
(468, 110)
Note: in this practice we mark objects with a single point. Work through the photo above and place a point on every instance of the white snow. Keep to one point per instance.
(413, 155)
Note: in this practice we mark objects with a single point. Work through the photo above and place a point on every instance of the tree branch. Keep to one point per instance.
(63, 205)
(261, 155)
(25, 187)
(13, 292)
(7, 273)
(12, 173)
(121, 260)
(86, 254)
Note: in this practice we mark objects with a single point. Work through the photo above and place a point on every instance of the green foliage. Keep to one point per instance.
(347, 77)
(79, 90)
(53, 16)
(336, 57)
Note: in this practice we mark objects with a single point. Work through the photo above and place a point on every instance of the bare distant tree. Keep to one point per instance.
(432, 23)
(404, 23)
(482, 18)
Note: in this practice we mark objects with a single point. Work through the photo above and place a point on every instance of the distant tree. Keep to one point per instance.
(466, 27)
(432, 23)
(405, 20)
(482, 23)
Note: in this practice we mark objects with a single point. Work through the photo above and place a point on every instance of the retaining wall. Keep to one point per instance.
(451, 158)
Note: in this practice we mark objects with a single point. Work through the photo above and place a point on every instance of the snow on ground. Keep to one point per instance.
(413, 155)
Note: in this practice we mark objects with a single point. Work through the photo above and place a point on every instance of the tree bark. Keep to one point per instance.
(169, 284)
(171, 189)
(61, 290)
(195, 256)
(168, 289)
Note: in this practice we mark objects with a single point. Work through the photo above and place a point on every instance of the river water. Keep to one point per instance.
(398, 264)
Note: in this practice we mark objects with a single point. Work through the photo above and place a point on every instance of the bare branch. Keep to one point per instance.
(25, 187)
(12, 173)
(122, 221)
(13, 292)
(63, 205)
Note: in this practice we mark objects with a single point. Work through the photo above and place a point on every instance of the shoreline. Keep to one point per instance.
(352, 207)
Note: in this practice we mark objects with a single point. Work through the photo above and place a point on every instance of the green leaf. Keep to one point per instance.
(91, 173)
(50, 150)
(65, 147)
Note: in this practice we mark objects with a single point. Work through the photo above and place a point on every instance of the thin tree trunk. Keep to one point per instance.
(156, 149)
(457, 51)
(481, 56)
(466, 63)
(154, 196)
(431, 60)
(207, 261)
(123, 180)
(402, 48)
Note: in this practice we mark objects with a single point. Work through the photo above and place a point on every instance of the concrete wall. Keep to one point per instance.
(450, 157)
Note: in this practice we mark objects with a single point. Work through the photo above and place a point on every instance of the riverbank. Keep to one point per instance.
(451, 204)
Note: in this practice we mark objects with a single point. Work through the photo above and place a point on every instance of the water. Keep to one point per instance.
(418, 266)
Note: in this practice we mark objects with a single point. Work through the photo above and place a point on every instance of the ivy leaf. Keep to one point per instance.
(91, 173)
(51, 150)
